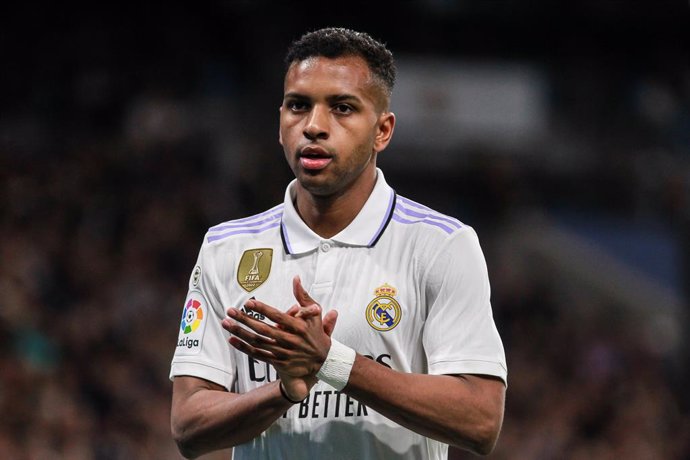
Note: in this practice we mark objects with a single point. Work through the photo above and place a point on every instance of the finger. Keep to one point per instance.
(254, 346)
(281, 319)
(261, 355)
(248, 336)
(260, 345)
(302, 296)
(279, 340)
(254, 324)
(329, 321)
(257, 332)
(309, 312)
(292, 311)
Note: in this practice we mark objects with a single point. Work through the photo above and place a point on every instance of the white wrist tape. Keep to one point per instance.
(335, 371)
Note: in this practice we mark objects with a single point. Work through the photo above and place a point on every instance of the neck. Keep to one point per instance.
(329, 215)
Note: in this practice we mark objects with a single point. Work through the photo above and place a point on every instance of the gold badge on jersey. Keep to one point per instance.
(254, 268)
(384, 312)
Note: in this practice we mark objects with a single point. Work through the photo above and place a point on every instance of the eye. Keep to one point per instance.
(296, 105)
(343, 109)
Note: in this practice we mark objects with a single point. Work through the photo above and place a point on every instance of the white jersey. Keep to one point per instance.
(412, 292)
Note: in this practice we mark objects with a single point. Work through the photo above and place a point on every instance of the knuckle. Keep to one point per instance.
(300, 328)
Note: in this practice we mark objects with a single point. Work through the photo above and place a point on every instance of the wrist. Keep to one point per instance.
(337, 367)
(285, 394)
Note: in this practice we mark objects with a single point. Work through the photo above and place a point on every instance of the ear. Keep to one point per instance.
(384, 131)
(280, 134)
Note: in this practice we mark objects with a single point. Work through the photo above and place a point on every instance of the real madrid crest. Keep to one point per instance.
(254, 268)
(384, 312)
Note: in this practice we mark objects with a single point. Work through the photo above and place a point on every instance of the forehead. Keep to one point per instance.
(345, 74)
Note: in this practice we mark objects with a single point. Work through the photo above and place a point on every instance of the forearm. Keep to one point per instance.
(205, 419)
(464, 411)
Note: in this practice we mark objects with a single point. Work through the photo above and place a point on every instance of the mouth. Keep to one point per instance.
(314, 158)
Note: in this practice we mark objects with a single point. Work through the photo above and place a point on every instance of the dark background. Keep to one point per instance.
(127, 130)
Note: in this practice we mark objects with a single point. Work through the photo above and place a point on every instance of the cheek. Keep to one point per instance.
(366, 138)
(289, 127)
(284, 135)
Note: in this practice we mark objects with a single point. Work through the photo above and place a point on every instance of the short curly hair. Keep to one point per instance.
(333, 42)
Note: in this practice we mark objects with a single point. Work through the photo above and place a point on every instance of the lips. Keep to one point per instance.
(314, 157)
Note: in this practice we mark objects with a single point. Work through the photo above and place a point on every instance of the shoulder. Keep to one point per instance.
(430, 236)
(426, 221)
(246, 227)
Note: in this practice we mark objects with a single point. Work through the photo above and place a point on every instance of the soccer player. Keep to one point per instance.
(406, 358)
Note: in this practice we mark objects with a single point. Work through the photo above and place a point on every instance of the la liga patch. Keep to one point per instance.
(193, 324)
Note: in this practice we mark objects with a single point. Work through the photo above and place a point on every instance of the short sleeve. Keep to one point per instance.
(460, 335)
(202, 349)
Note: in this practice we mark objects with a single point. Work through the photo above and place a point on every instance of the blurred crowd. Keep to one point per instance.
(106, 190)
(97, 243)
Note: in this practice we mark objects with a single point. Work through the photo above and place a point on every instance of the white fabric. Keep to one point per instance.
(445, 323)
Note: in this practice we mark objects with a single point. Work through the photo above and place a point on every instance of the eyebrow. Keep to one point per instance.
(344, 98)
(332, 99)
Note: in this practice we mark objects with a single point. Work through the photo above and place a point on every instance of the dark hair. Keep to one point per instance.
(333, 42)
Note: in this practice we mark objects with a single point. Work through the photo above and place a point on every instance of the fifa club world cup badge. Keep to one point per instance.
(254, 268)
(384, 312)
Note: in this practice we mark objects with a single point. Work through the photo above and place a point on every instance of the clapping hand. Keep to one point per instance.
(296, 346)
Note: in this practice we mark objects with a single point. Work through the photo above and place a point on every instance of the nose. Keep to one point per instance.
(317, 124)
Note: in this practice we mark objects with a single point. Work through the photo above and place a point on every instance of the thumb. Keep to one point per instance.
(328, 321)
(302, 296)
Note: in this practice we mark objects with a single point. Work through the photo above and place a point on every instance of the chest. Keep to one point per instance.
(376, 291)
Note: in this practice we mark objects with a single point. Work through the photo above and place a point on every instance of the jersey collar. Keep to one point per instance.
(365, 230)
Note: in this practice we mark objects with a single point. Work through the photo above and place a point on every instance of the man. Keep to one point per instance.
(406, 361)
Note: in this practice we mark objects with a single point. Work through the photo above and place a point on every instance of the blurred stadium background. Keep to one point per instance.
(561, 132)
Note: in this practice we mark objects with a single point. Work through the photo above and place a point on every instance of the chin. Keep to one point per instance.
(317, 186)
